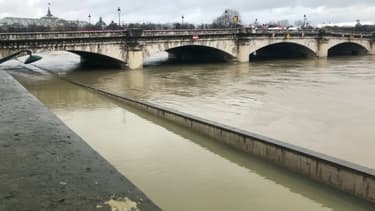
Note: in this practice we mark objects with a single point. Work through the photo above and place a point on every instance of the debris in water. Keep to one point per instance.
(122, 204)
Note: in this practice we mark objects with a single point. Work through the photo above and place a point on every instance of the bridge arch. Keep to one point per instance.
(94, 59)
(198, 53)
(346, 48)
(210, 50)
(283, 49)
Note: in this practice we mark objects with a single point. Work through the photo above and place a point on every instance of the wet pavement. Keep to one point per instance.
(46, 166)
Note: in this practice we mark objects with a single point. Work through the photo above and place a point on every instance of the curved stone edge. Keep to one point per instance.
(46, 166)
(339, 174)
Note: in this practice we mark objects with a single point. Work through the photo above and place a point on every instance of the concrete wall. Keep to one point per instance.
(342, 175)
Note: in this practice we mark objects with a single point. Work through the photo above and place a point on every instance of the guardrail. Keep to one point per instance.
(281, 33)
(188, 32)
(108, 34)
(348, 35)
(60, 35)
(178, 32)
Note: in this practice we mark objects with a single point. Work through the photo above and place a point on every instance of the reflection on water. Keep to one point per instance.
(324, 105)
(178, 169)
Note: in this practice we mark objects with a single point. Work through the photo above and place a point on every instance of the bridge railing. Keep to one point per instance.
(347, 35)
(277, 33)
(301, 33)
(179, 32)
(61, 35)
(182, 32)
(108, 34)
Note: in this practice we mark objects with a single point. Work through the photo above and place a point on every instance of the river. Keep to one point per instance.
(324, 105)
(178, 169)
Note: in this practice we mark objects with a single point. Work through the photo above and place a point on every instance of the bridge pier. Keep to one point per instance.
(244, 50)
(243, 53)
(322, 48)
(135, 57)
(372, 48)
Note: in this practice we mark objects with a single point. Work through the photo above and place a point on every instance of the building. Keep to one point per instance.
(46, 21)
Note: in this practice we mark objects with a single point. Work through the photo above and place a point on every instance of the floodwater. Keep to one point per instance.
(323, 105)
(178, 169)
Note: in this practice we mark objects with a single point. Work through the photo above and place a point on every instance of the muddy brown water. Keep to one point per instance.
(178, 169)
(322, 105)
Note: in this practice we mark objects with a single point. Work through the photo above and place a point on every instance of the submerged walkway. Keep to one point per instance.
(46, 166)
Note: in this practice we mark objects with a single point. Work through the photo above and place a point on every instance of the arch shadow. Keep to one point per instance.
(347, 49)
(95, 60)
(197, 54)
(283, 50)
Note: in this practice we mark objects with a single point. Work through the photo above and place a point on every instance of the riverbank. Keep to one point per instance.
(46, 166)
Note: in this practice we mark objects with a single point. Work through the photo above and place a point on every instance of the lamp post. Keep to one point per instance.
(32, 58)
(119, 16)
(182, 20)
(89, 19)
(226, 18)
(304, 21)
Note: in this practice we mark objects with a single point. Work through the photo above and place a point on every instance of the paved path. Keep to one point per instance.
(46, 166)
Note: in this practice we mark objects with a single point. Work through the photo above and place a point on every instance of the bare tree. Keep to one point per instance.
(283, 23)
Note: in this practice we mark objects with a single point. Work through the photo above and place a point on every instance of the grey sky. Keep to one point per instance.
(195, 11)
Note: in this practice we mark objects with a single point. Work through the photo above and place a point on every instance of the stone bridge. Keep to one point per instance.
(131, 47)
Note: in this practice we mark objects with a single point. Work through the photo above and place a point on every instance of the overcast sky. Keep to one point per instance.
(195, 11)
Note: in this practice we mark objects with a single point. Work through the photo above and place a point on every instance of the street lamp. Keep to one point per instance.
(89, 19)
(32, 58)
(119, 15)
(226, 18)
(182, 18)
